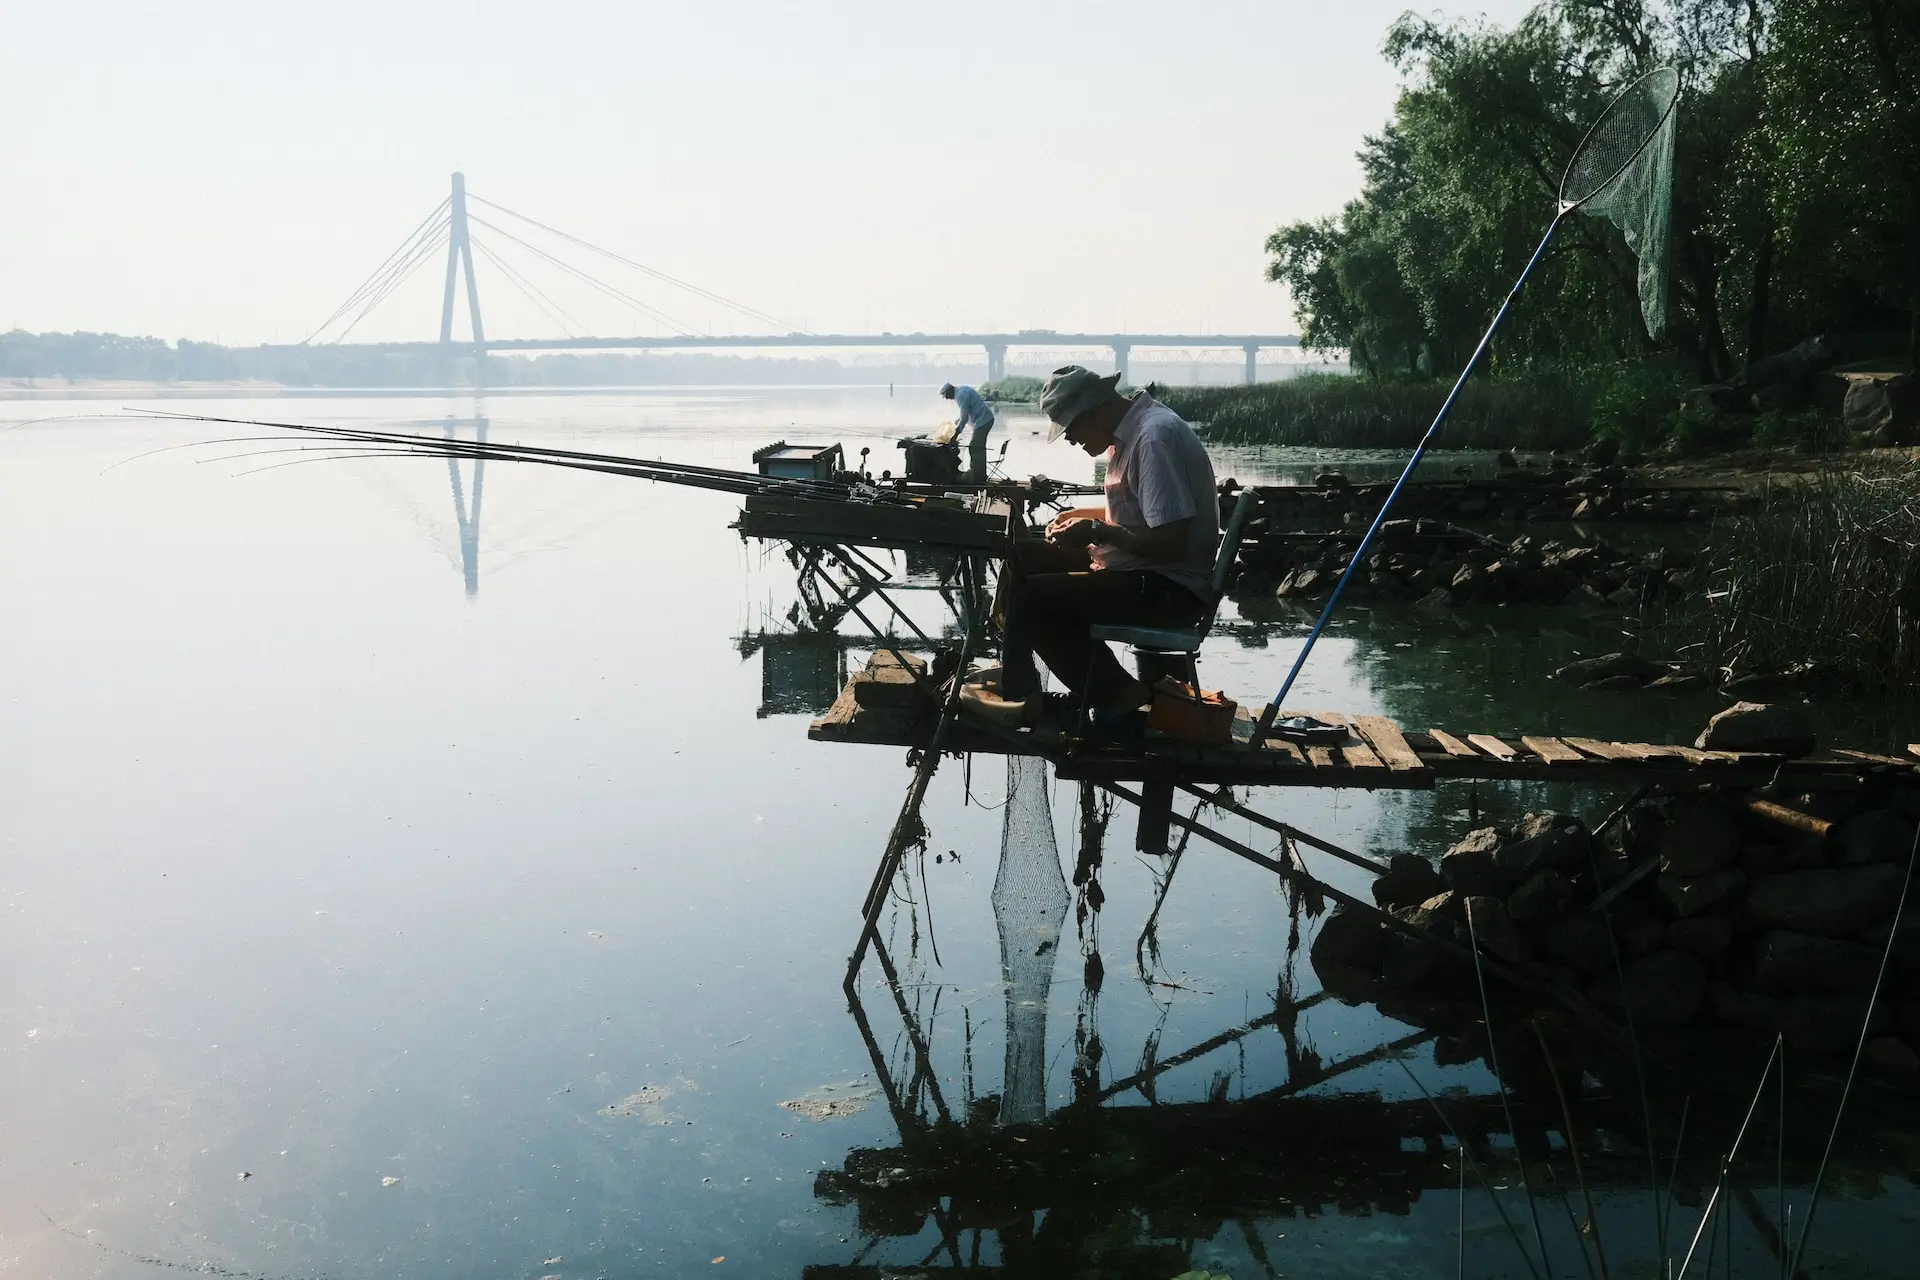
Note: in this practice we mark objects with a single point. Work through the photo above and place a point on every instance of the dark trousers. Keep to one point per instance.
(1053, 600)
(977, 454)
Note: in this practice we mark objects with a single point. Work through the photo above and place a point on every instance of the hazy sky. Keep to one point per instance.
(230, 171)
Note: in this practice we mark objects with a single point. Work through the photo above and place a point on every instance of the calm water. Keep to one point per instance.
(415, 874)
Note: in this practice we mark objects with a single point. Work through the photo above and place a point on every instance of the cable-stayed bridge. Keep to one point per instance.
(504, 235)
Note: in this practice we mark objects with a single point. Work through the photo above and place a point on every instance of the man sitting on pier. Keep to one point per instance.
(1143, 560)
(977, 414)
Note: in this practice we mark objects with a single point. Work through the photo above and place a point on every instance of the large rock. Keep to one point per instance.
(1544, 896)
(1581, 941)
(1700, 836)
(1493, 929)
(1469, 866)
(1730, 1004)
(1890, 1057)
(1350, 938)
(1705, 936)
(1832, 902)
(1878, 835)
(1884, 409)
(1418, 962)
(1409, 880)
(1776, 727)
(1663, 986)
(1794, 366)
(1792, 964)
(1540, 841)
(1637, 834)
(1828, 1023)
(1690, 895)
(1585, 671)
(1637, 933)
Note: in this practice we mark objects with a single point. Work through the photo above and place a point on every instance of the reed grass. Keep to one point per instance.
(1337, 411)
(1825, 571)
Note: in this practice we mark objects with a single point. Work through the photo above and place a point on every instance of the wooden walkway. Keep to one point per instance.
(1376, 753)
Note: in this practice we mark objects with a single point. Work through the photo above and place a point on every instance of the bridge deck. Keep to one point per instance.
(1375, 754)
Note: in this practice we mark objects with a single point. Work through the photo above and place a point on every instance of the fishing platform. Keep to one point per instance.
(881, 706)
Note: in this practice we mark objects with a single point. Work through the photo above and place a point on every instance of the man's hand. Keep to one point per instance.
(1072, 530)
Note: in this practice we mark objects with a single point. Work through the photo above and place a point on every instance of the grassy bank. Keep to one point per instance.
(1823, 572)
(1335, 411)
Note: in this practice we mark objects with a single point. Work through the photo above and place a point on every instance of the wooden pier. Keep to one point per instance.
(885, 705)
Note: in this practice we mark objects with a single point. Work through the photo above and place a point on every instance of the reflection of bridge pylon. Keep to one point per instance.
(466, 516)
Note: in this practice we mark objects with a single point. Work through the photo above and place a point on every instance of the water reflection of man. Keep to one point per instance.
(975, 415)
(1143, 560)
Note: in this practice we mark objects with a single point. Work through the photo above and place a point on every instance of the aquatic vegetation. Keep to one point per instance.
(1546, 411)
(1823, 572)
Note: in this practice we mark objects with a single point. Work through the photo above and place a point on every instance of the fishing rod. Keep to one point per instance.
(403, 444)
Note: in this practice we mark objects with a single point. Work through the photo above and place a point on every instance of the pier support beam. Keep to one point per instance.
(1121, 351)
(1253, 362)
(996, 361)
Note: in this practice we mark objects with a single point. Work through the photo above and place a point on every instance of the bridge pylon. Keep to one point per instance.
(459, 253)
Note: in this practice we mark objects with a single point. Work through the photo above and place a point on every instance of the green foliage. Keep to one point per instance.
(1694, 429)
(1796, 188)
(1541, 411)
(1806, 430)
(1636, 405)
(1014, 390)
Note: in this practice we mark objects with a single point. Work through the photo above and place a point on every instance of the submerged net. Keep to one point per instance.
(1029, 906)
(1623, 172)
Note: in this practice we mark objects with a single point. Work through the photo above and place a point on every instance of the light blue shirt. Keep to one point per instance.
(975, 412)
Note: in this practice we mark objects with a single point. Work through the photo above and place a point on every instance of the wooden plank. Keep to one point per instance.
(1552, 750)
(1604, 750)
(1492, 746)
(1360, 756)
(1384, 736)
(1452, 745)
(1653, 751)
(1340, 718)
(1284, 748)
(1874, 757)
(1914, 748)
(1322, 757)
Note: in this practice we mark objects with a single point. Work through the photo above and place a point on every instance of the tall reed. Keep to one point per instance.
(1825, 571)
(1336, 411)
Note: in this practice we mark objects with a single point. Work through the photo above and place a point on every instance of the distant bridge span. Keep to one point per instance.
(996, 344)
(450, 222)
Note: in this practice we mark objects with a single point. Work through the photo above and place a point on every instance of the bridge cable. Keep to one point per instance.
(708, 294)
(610, 290)
(353, 299)
(391, 279)
(427, 250)
(430, 228)
(533, 292)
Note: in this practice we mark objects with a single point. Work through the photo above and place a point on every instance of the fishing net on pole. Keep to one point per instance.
(1623, 172)
(1029, 905)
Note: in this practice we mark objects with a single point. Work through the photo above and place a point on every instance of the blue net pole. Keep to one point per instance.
(1360, 552)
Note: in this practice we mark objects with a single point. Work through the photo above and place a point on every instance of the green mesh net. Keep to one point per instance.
(1623, 172)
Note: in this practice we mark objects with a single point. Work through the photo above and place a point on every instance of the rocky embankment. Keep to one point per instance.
(1611, 492)
(1768, 912)
(1439, 565)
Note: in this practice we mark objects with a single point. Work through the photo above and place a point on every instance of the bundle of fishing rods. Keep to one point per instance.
(359, 442)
